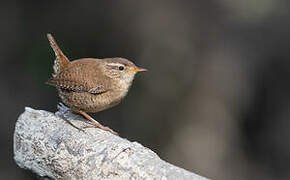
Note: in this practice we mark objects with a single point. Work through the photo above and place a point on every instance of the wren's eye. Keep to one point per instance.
(121, 68)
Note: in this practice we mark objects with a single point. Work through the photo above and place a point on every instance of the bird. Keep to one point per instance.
(90, 85)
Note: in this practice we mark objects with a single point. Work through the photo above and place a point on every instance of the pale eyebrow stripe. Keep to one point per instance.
(115, 64)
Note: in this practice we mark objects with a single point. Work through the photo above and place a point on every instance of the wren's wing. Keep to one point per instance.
(81, 76)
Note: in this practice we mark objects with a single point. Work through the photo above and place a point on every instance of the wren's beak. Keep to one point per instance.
(137, 70)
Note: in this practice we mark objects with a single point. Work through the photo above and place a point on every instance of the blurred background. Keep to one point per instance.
(215, 100)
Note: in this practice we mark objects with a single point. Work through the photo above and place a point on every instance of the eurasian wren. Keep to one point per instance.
(89, 84)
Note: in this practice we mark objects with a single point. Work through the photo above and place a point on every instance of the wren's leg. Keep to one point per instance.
(70, 123)
(96, 123)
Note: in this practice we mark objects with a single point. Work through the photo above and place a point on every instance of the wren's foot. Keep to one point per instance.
(105, 128)
(96, 124)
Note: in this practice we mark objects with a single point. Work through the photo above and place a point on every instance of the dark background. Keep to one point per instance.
(216, 97)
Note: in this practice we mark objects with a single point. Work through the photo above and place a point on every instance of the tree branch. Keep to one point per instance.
(50, 147)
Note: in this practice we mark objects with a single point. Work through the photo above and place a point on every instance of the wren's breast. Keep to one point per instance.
(90, 102)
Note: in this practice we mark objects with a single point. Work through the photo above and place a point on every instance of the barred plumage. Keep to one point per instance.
(61, 61)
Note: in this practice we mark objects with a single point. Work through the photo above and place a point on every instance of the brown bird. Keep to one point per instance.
(89, 84)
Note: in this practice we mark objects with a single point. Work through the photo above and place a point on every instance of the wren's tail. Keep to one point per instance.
(61, 60)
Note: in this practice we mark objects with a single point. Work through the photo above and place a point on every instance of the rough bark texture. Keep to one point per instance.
(51, 147)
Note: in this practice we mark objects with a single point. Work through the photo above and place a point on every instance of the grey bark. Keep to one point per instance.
(51, 147)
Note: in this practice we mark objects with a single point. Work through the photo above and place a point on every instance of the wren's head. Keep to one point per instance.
(121, 69)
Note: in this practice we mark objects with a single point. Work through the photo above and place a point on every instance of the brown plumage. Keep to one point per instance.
(89, 84)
